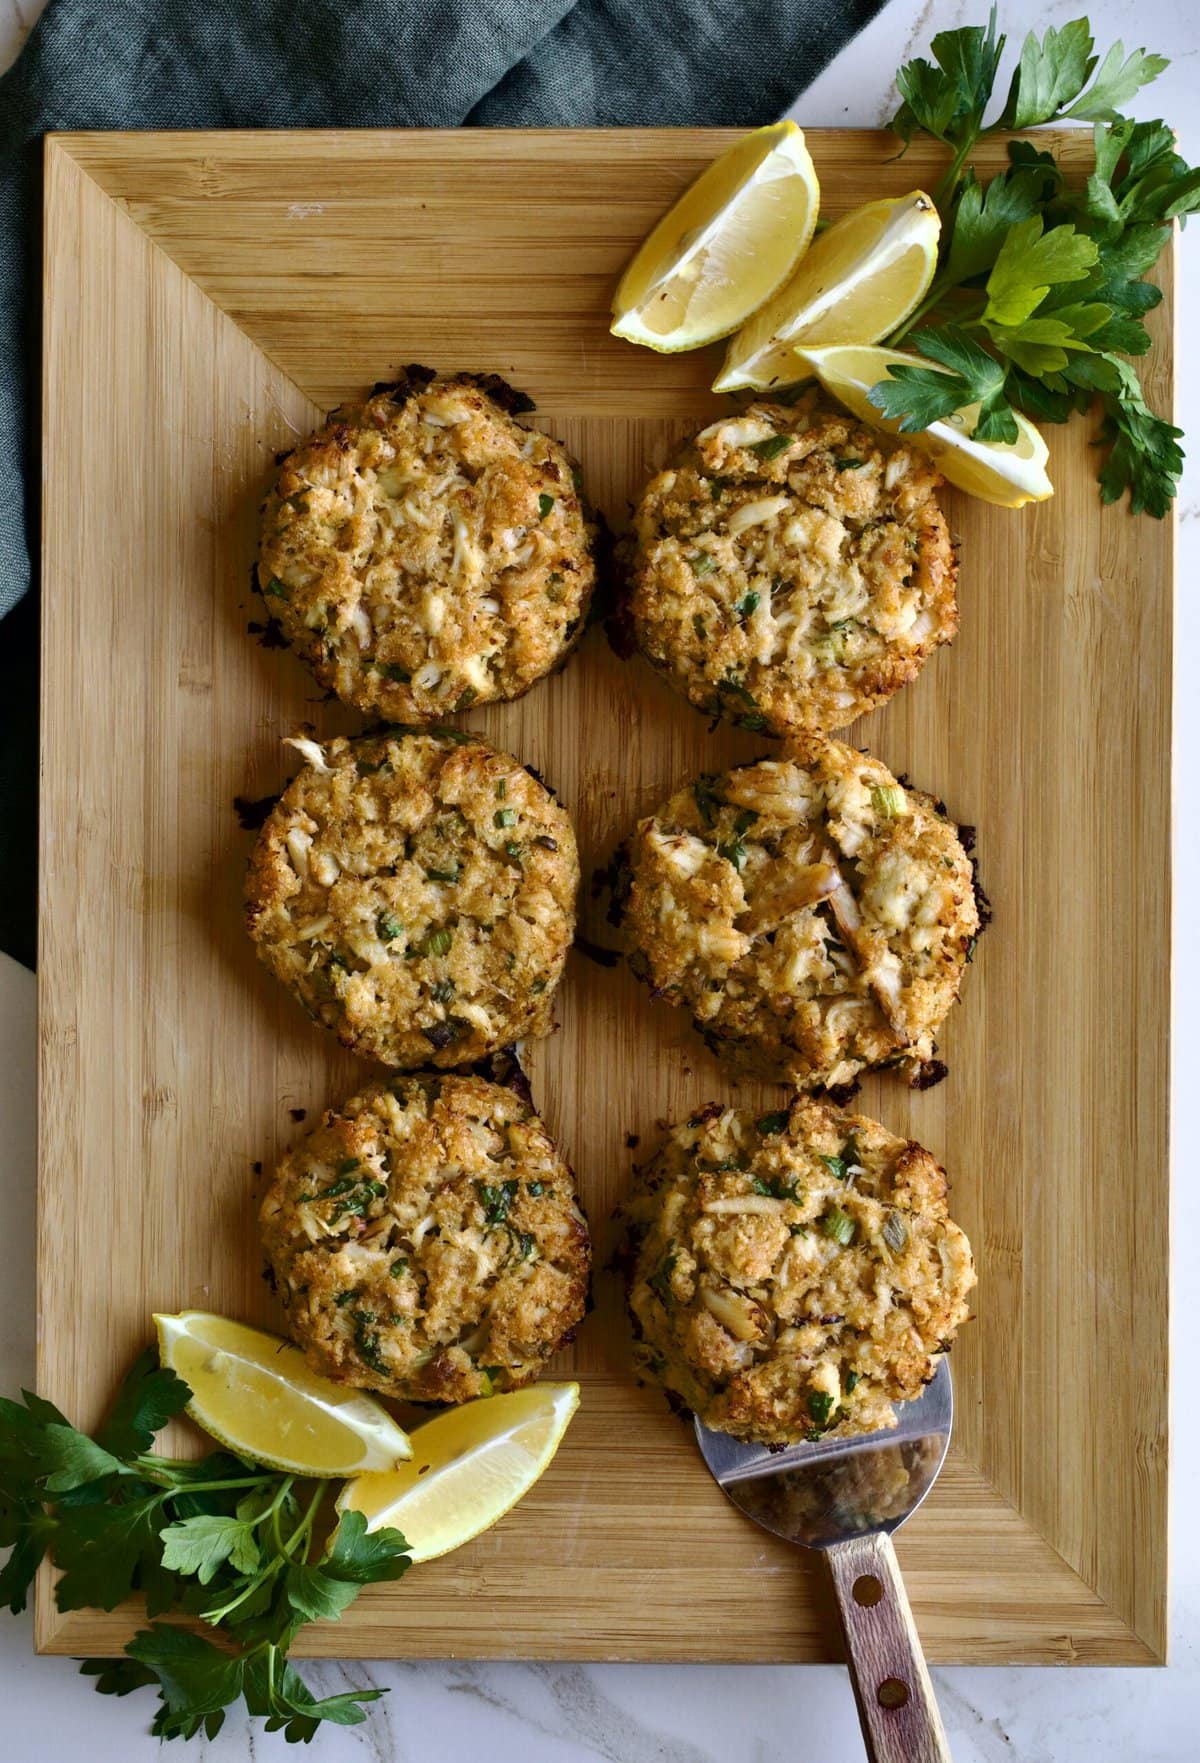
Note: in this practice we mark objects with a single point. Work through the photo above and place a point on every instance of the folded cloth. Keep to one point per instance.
(172, 64)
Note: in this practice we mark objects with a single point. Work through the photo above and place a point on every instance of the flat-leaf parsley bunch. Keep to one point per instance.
(219, 1539)
(1039, 295)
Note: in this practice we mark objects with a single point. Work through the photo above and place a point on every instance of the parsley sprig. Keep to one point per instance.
(219, 1539)
(1040, 294)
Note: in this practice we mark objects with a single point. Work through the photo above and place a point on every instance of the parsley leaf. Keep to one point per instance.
(1039, 292)
(100, 1550)
(917, 396)
(1050, 74)
(820, 1407)
(948, 96)
(1028, 262)
(362, 1557)
(316, 1597)
(984, 216)
(1116, 83)
(150, 1396)
(194, 1678)
(1145, 457)
(218, 1538)
(117, 1677)
(707, 800)
(660, 1280)
(201, 1544)
(28, 1532)
(72, 1460)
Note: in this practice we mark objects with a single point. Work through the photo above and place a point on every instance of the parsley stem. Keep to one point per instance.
(212, 1487)
(933, 298)
(159, 1470)
(272, 1511)
(217, 1616)
(285, 1549)
(304, 1528)
(940, 291)
(277, 1531)
(947, 188)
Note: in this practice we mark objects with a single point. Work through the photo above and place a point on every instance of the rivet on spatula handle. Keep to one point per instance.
(900, 1719)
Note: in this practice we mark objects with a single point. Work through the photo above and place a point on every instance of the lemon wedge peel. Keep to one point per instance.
(456, 1487)
(858, 282)
(729, 243)
(254, 1393)
(1007, 474)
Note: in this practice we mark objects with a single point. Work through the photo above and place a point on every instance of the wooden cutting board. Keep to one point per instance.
(207, 296)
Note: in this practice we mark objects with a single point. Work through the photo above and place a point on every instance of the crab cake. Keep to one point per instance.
(427, 1242)
(791, 569)
(416, 891)
(426, 551)
(793, 1275)
(814, 915)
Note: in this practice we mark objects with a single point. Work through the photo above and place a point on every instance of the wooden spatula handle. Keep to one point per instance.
(900, 1719)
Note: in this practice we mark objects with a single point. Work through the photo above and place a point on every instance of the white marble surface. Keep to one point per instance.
(655, 1714)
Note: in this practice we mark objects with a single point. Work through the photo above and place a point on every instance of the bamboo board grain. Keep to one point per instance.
(207, 295)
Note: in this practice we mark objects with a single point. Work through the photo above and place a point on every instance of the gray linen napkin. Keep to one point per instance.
(175, 64)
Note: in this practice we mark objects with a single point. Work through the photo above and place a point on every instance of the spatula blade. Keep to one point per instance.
(823, 1492)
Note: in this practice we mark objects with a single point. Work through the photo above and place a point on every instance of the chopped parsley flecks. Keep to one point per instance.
(772, 447)
(496, 1200)
(838, 1226)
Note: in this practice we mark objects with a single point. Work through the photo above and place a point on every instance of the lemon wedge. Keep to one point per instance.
(468, 1468)
(1007, 473)
(855, 284)
(255, 1395)
(731, 240)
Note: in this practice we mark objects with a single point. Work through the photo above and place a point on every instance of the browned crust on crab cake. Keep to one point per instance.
(796, 1274)
(416, 892)
(426, 550)
(791, 569)
(427, 1241)
(814, 915)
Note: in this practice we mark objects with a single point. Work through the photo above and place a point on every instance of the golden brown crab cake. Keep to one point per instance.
(426, 550)
(814, 915)
(791, 569)
(427, 1241)
(796, 1274)
(416, 891)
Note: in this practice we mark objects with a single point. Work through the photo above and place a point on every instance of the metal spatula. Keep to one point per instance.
(845, 1497)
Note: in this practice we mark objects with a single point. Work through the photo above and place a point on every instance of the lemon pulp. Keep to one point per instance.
(730, 241)
(468, 1468)
(1006, 473)
(255, 1394)
(856, 283)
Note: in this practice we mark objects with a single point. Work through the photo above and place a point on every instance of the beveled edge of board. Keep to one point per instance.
(125, 164)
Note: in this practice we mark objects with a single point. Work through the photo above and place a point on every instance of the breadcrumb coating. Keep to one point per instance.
(794, 1275)
(427, 1241)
